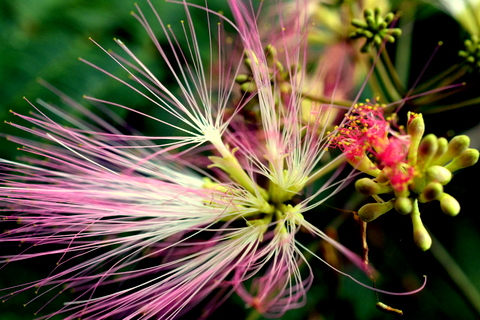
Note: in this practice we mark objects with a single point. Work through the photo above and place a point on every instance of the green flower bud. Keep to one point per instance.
(426, 150)
(416, 129)
(359, 23)
(369, 187)
(456, 146)
(439, 174)
(364, 164)
(403, 205)
(372, 211)
(248, 87)
(381, 178)
(420, 234)
(270, 50)
(432, 191)
(468, 158)
(241, 78)
(449, 205)
(442, 147)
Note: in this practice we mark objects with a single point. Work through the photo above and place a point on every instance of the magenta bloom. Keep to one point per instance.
(170, 220)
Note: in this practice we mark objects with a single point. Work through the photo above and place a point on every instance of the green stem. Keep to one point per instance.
(373, 82)
(253, 315)
(392, 72)
(470, 293)
(386, 82)
(403, 54)
(432, 98)
(441, 77)
(453, 106)
(231, 166)
(344, 103)
(325, 169)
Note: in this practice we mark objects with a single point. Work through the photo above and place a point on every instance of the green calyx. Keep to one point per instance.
(374, 29)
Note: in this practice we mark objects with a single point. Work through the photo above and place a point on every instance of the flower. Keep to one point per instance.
(177, 218)
(412, 167)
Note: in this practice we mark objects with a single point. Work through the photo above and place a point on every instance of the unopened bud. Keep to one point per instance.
(426, 150)
(241, 78)
(415, 128)
(442, 147)
(270, 50)
(248, 87)
(449, 205)
(382, 178)
(372, 211)
(364, 164)
(456, 146)
(432, 191)
(468, 158)
(420, 234)
(403, 205)
(369, 187)
(439, 174)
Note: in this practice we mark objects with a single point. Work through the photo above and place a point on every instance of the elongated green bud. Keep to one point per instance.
(449, 205)
(369, 187)
(403, 205)
(372, 211)
(364, 164)
(241, 78)
(456, 146)
(439, 174)
(427, 150)
(432, 191)
(468, 158)
(442, 147)
(416, 129)
(420, 234)
(248, 87)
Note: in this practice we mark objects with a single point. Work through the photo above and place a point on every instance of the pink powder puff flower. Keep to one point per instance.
(147, 227)
(366, 131)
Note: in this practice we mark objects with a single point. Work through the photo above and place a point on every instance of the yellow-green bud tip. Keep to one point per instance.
(468, 158)
(420, 234)
(439, 174)
(403, 205)
(449, 205)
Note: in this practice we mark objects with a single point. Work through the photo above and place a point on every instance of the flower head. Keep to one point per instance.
(173, 219)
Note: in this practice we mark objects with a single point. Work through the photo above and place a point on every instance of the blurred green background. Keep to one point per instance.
(43, 39)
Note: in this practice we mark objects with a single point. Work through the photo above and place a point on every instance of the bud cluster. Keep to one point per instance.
(374, 29)
(409, 166)
(471, 54)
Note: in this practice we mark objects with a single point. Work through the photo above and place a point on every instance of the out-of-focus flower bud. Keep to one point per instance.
(468, 158)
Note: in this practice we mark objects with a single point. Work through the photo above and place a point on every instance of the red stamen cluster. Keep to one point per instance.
(366, 132)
